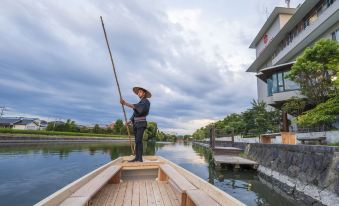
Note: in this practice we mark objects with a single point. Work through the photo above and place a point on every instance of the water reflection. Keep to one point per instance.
(65, 149)
(30, 172)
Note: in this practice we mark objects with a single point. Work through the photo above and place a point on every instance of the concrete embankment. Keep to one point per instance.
(17, 138)
(306, 173)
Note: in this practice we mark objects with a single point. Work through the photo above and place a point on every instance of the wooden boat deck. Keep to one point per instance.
(137, 192)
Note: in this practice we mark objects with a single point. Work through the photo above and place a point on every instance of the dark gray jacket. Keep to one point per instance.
(141, 110)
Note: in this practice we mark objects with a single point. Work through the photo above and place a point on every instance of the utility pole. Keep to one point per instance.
(212, 137)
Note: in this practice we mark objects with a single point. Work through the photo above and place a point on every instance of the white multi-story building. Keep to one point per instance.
(284, 36)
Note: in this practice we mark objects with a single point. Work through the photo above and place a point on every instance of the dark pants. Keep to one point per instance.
(138, 133)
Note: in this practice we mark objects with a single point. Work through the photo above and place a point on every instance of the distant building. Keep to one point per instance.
(22, 123)
(110, 126)
(43, 124)
(282, 38)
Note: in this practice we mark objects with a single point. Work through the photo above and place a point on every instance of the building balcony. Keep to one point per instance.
(277, 99)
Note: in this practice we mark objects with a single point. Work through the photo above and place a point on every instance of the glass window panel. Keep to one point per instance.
(334, 36)
(280, 79)
(306, 23)
(313, 19)
(289, 84)
(274, 83)
(269, 87)
(281, 88)
(329, 2)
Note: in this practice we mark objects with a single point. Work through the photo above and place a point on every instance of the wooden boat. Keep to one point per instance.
(156, 181)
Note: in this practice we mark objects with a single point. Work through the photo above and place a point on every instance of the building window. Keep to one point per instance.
(289, 84)
(306, 22)
(275, 84)
(269, 87)
(335, 35)
(278, 82)
(329, 2)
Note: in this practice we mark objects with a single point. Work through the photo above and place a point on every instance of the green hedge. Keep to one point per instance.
(334, 144)
(64, 134)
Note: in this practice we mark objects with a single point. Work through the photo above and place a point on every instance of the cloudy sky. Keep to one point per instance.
(192, 55)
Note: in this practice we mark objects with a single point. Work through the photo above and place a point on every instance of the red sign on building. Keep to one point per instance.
(265, 39)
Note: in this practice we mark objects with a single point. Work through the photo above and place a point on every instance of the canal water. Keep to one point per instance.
(30, 172)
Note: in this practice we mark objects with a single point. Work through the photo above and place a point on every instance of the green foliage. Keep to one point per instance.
(335, 80)
(145, 136)
(323, 114)
(201, 133)
(96, 129)
(56, 133)
(69, 126)
(151, 131)
(336, 144)
(295, 106)
(118, 127)
(258, 120)
(315, 68)
(161, 136)
(254, 121)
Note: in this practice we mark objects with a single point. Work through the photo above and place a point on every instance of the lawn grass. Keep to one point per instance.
(334, 144)
(61, 134)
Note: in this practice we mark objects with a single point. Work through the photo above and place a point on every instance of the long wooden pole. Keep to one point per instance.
(118, 86)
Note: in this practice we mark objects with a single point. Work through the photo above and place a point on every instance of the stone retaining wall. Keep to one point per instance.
(240, 145)
(306, 173)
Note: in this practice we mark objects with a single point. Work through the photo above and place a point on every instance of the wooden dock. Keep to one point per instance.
(229, 156)
(222, 150)
(227, 151)
(234, 161)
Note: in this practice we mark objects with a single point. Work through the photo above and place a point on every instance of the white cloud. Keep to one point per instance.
(192, 56)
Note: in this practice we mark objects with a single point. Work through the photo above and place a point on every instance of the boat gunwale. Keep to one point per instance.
(60, 195)
(217, 194)
(202, 184)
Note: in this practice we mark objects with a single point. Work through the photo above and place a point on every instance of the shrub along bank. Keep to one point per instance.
(57, 133)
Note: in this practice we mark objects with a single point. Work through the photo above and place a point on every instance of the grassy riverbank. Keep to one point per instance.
(38, 133)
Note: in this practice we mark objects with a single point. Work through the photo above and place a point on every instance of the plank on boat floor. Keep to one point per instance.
(136, 193)
(142, 193)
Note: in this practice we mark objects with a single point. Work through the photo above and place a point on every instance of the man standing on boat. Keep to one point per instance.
(138, 119)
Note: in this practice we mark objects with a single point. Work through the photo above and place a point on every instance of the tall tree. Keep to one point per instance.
(315, 68)
(295, 106)
(324, 114)
(96, 129)
(151, 130)
(118, 126)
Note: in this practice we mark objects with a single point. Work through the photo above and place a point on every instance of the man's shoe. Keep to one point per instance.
(133, 160)
(140, 160)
